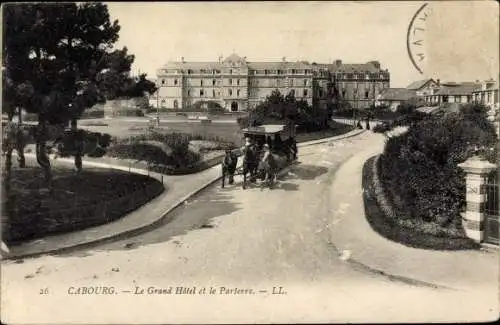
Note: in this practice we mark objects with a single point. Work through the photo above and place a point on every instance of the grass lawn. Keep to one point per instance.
(124, 129)
(229, 132)
(334, 130)
(94, 197)
(403, 235)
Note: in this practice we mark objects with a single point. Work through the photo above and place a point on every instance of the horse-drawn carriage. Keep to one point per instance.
(268, 149)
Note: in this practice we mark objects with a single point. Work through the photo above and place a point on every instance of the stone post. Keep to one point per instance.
(477, 171)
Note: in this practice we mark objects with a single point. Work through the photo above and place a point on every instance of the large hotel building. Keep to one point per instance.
(238, 85)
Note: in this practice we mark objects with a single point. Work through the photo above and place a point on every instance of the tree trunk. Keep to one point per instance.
(78, 145)
(41, 153)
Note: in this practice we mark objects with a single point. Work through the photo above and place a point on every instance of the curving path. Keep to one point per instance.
(254, 239)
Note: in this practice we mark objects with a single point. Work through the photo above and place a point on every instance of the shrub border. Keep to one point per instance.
(121, 207)
(187, 170)
(383, 219)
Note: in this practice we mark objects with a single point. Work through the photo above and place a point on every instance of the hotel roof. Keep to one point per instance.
(235, 60)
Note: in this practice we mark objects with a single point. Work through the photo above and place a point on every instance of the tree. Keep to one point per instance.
(58, 62)
(139, 86)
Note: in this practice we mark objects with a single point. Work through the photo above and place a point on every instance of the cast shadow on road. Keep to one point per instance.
(195, 214)
(305, 172)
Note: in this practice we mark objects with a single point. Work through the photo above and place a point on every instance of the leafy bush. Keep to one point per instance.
(410, 232)
(419, 168)
(169, 149)
(209, 106)
(382, 127)
(94, 143)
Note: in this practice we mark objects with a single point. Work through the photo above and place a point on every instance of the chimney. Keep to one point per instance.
(376, 64)
(438, 81)
(182, 60)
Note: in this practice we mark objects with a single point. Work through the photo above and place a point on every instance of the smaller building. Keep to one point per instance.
(424, 87)
(487, 94)
(453, 92)
(393, 97)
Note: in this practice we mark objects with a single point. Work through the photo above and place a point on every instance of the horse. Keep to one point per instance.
(229, 166)
(250, 164)
(268, 168)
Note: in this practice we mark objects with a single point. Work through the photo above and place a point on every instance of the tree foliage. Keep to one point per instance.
(59, 61)
(278, 108)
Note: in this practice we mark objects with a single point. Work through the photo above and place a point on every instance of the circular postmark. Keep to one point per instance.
(415, 37)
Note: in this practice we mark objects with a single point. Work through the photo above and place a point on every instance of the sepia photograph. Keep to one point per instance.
(250, 162)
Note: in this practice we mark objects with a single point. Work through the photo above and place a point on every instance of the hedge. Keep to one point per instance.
(419, 169)
(167, 153)
(410, 232)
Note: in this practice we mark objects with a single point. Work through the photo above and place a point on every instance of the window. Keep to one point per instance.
(163, 81)
(343, 93)
(367, 94)
(163, 103)
(201, 82)
(213, 93)
(230, 92)
(238, 82)
(175, 82)
(266, 72)
(291, 82)
(305, 92)
(238, 93)
(280, 72)
(230, 81)
(213, 82)
(489, 97)
(320, 92)
(305, 82)
(294, 71)
(230, 71)
(201, 92)
(189, 92)
(190, 71)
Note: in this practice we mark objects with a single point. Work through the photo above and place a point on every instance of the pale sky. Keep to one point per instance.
(461, 40)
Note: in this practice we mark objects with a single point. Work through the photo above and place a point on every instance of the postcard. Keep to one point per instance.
(250, 162)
